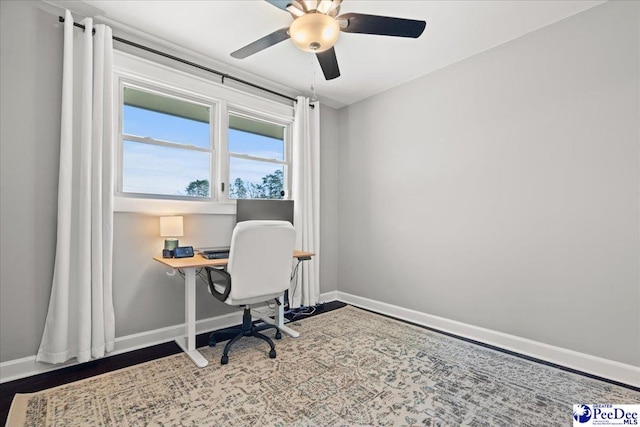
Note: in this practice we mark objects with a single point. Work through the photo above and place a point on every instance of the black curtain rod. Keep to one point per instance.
(192, 64)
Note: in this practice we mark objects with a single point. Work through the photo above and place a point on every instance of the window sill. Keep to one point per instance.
(172, 207)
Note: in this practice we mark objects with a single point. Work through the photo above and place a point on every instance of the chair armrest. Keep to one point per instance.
(221, 278)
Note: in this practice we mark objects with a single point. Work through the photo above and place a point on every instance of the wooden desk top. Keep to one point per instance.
(198, 261)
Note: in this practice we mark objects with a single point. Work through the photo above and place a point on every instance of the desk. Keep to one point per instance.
(189, 265)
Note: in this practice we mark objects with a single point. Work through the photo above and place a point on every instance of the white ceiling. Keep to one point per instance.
(368, 64)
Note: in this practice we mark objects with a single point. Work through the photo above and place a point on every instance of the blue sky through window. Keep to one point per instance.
(255, 145)
(155, 169)
(165, 127)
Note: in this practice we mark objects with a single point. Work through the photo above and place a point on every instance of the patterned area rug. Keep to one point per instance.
(348, 367)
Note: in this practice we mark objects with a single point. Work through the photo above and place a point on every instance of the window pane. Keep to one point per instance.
(254, 144)
(166, 119)
(249, 179)
(154, 169)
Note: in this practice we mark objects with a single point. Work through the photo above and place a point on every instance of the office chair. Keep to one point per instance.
(259, 269)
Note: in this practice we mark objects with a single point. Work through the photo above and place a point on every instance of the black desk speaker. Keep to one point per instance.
(167, 253)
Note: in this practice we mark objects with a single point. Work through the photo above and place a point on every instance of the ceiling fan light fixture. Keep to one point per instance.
(314, 32)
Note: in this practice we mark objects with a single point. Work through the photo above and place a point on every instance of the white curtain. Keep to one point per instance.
(306, 195)
(80, 321)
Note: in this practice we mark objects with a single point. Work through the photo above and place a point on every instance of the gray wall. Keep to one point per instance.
(30, 88)
(144, 297)
(503, 190)
(328, 199)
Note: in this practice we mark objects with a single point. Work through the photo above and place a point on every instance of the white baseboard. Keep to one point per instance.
(328, 296)
(627, 374)
(616, 371)
(28, 366)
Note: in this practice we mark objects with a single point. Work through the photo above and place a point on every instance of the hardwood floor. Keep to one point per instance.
(112, 363)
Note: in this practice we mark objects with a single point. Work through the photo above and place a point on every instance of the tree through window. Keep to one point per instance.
(257, 159)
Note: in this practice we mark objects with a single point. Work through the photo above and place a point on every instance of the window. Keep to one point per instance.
(258, 163)
(192, 145)
(166, 145)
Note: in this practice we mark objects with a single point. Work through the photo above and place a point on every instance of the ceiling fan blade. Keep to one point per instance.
(280, 4)
(381, 25)
(261, 44)
(329, 64)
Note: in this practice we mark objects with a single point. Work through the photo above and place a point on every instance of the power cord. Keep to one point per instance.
(294, 277)
(304, 311)
(301, 313)
(198, 273)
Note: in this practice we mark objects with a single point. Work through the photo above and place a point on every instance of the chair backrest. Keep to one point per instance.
(260, 259)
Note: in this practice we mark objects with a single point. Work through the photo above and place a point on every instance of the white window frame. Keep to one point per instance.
(213, 107)
(286, 162)
(147, 75)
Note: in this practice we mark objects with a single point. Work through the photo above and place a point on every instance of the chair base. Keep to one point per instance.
(248, 329)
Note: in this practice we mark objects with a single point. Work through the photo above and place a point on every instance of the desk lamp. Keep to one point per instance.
(171, 227)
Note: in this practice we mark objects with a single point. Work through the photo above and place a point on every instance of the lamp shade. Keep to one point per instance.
(171, 226)
(314, 32)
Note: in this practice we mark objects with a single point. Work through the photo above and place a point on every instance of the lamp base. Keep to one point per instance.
(171, 244)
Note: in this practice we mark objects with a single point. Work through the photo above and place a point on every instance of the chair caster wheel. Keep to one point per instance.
(272, 354)
(212, 342)
(278, 335)
(225, 359)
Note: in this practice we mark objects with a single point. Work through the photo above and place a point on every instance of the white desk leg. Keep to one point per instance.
(188, 342)
(279, 321)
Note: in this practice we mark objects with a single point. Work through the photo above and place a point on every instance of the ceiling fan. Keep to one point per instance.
(317, 25)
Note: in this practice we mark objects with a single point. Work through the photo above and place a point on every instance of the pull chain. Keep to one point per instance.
(314, 98)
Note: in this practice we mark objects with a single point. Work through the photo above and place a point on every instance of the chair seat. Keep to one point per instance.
(254, 300)
(244, 301)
